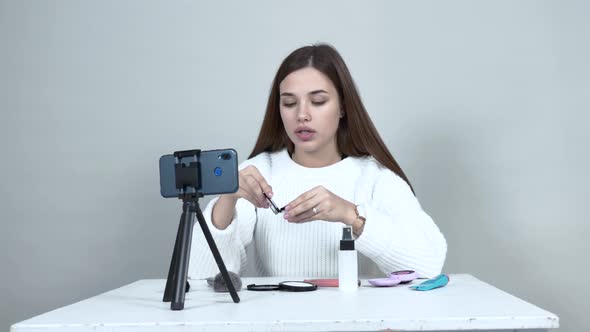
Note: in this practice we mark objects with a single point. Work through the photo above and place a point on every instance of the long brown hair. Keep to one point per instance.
(356, 135)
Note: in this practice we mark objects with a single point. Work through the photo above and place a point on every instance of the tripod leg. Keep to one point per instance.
(178, 292)
(218, 259)
(173, 263)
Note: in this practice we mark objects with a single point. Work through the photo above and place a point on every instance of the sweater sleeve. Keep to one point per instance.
(231, 242)
(398, 234)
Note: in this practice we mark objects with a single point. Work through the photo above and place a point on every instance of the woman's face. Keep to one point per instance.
(310, 109)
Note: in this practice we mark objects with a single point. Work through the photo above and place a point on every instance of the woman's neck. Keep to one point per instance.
(317, 158)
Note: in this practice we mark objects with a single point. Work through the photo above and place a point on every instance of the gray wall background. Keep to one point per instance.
(484, 104)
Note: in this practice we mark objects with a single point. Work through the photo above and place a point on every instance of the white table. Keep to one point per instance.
(466, 303)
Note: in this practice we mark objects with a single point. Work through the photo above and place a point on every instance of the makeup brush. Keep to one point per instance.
(219, 285)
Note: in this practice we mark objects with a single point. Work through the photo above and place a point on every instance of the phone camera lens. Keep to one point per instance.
(225, 156)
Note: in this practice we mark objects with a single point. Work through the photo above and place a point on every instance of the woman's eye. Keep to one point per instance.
(318, 103)
(289, 104)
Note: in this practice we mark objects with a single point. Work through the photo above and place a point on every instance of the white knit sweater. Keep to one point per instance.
(398, 234)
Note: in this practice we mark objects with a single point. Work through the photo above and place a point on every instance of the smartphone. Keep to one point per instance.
(218, 173)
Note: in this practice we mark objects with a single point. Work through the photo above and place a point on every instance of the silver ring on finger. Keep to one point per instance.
(315, 210)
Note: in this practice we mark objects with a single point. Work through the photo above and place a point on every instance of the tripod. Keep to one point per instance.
(177, 274)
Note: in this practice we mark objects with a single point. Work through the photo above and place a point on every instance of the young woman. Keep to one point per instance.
(319, 155)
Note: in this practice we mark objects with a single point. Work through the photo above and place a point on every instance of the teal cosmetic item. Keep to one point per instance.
(436, 282)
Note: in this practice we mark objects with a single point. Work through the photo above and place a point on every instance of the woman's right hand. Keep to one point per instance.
(252, 187)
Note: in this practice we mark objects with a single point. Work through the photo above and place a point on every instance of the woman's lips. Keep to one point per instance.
(305, 135)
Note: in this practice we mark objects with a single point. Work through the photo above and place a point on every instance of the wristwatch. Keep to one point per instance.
(360, 214)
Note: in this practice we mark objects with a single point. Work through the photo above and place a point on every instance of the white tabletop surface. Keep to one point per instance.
(466, 303)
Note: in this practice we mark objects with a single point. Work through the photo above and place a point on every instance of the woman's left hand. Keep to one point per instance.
(320, 204)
